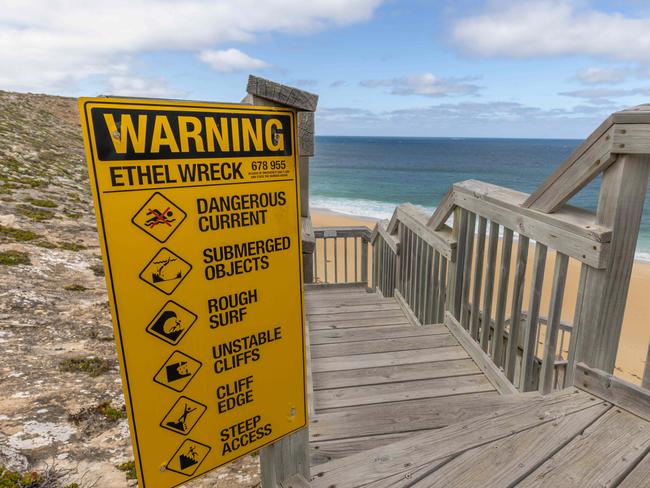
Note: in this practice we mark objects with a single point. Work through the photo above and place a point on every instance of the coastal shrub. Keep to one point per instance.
(111, 413)
(75, 287)
(42, 202)
(129, 469)
(16, 479)
(71, 246)
(14, 258)
(35, 213)
(19, 235)
(92, 366)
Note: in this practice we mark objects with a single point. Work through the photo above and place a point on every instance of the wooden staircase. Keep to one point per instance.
(398, 405)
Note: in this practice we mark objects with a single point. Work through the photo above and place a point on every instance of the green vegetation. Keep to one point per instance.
(111, 413)
(41, 202)
(75, 287)
(35, 213)
(14, 258)
(19, 235)
(50, 478)
(129, 469)
(46, 244)
(71, 246)
(15, 479)
(92, 366)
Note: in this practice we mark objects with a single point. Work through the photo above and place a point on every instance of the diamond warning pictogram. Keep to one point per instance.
(183, 416)
(188, 457)
(171, 323)
(165, 271)
(159, 217)
(178, 371)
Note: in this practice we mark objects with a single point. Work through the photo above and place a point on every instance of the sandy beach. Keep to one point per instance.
(635, 337)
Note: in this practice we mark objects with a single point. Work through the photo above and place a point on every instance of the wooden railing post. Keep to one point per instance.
(289, 457)
(364, 260)
(604, 291)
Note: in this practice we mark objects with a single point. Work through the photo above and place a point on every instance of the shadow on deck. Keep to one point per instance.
(395, 405)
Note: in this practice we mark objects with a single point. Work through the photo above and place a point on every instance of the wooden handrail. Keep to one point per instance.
(571, 230)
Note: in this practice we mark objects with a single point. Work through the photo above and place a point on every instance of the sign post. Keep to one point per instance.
(198, 213)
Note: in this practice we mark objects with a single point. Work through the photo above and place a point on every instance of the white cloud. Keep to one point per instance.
(132, 86)
(230, 60)
(601, 76)
(426, 84)
(531, 28)
(602, 96)
(50, 45)
(467, 118)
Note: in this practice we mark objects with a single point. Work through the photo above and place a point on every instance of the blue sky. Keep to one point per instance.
(483, 68)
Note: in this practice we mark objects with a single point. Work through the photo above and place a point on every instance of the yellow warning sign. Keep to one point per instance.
(198, 213)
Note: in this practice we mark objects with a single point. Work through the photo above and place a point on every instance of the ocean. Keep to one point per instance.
(370, 176)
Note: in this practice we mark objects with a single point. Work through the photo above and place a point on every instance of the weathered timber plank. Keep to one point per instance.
(408, 416)
(296, 481)
(431, 446)
(622, 194)
(343, 289)
(592, 157)
(639, 476)
(368, 307)
(601, 456)
(382, 345)
(517, 300)
(502, 297)
(443, 211)
(395, 358)
(373, 333)
(621, 393)
(480, 357)
(359, 323)
(406, 309)
(553, 325)
(282, 94)
(416, 220)
(285, 458)
(392, 374)
(526, 382)
(345, 316)
(467, 270)
(573, 220)
(323, 451)
(488, 293)
(407, 480)
(318, 300)
(478, 279)
(509, 460)
(396, 392)
(587, 242)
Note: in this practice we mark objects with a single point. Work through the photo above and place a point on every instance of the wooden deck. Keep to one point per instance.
(397, 405)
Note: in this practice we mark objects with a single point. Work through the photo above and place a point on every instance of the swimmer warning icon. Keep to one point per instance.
(188, 457)
(171, 323)
(159, 217)
(165, 271)
(178, 371)
(183, 416)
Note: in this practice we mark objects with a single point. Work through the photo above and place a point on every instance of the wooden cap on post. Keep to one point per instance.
(282, 94)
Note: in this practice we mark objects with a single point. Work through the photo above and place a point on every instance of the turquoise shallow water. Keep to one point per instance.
(369, 176)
